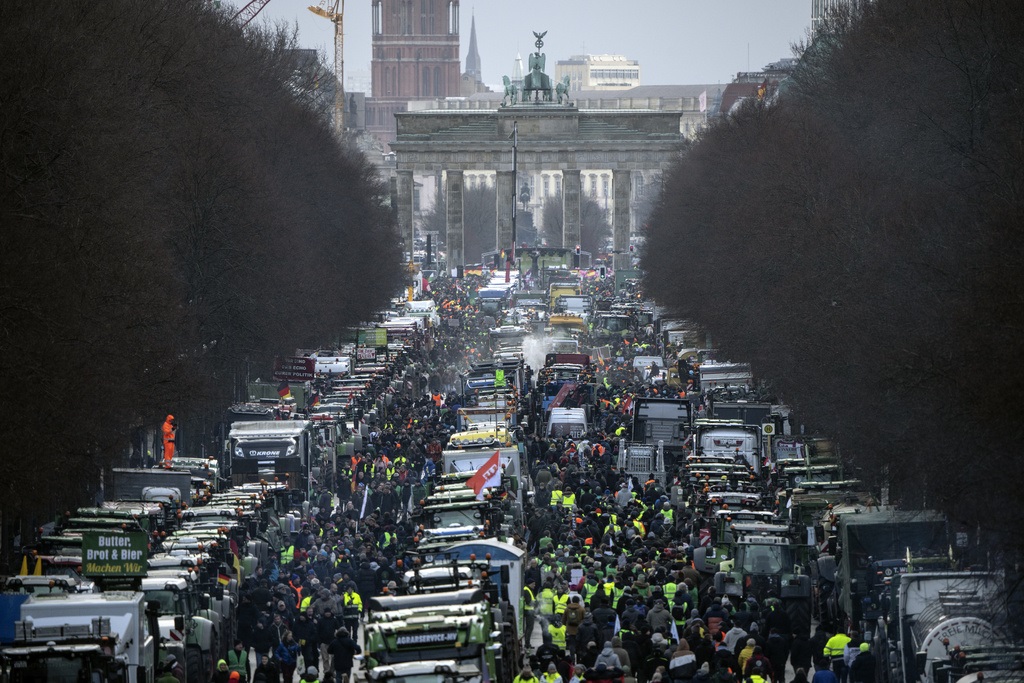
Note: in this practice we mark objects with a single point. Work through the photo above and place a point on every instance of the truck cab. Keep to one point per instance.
(179, 621)
(82, 637)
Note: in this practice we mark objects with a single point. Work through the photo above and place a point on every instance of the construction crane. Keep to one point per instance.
(249, 11)
(335, 11)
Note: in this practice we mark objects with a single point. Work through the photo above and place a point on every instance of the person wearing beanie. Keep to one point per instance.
(551, 675)
(311, 675)
(167, 675)
(703, 674)
(864, 665)
(621, 652)
(222, 674)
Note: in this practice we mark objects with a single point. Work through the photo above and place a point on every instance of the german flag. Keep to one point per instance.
(223, 579)
(283, 390)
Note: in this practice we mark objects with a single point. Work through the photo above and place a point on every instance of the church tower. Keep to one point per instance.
(472, 77)
(414, 56)
(473, 56)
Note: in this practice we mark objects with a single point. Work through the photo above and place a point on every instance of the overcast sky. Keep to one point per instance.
(677, 42)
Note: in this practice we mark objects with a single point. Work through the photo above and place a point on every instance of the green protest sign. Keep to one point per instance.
(499, 378)
(113, 554)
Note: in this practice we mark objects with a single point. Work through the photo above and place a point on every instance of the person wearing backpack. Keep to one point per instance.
(572, 618)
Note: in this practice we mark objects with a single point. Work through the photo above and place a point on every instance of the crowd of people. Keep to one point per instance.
(611, 591)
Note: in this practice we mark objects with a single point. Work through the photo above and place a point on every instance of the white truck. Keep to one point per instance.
(72, 637)
(185, 623)
(155, 485)
(458, 460)
(328, 361)
(729, 438)
(725, 374)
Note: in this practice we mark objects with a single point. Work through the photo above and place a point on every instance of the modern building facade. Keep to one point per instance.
(599, 72)
(820, 9)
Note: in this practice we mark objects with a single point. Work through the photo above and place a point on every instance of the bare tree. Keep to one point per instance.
(170, 205)
(595, 231)
(854, 240)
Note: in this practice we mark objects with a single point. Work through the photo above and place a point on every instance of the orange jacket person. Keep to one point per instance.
(168, 430)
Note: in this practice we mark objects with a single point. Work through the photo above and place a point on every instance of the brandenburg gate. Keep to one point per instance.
(553, 135)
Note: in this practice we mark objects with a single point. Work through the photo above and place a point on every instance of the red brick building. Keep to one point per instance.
(415, 56)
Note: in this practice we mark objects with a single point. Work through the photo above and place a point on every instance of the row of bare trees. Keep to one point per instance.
(859, 239)
(171, 208)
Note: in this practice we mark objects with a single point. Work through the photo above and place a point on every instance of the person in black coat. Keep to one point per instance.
(632, 648)
(588, 631)
(817, 643)
(366, 582)
(266, 671)
(326, 627)
(801, 652)
(589, 656)
(864, 665)
(604, 619)
(776, 649)
(305, 633)
(343, 651)
(657, 658)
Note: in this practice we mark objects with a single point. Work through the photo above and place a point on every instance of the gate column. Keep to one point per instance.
(570, 208)
(621, 191)
(455, 224)
(404, 191)
(504, 196)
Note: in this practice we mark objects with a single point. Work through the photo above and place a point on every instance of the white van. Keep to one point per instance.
(567, 422)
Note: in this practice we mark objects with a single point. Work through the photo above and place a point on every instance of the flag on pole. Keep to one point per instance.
(618, 626)
(223, 579)
(487, 476)
(283, 390)
(703, 99)
(674, 631)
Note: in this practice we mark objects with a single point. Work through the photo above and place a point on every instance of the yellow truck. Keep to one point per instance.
(560, 289)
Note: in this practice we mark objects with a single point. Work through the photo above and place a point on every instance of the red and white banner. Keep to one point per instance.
(488, 476)
(704, 537)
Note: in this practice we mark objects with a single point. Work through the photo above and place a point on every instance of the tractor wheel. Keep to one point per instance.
(799, 612)
(193, 665)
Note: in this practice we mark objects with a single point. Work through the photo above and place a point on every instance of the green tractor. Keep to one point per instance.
(455, 625)
(767, 564)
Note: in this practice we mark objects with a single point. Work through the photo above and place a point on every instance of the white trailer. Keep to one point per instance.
(941, 611)
(725, 374)
(82, 637)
